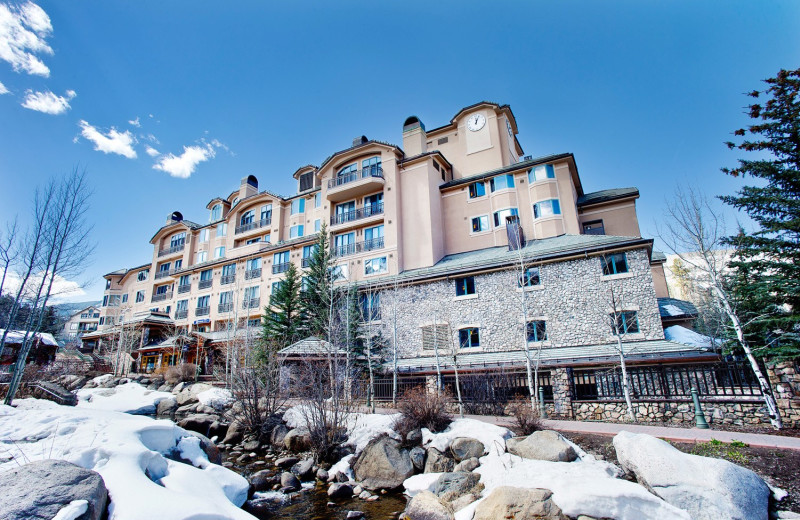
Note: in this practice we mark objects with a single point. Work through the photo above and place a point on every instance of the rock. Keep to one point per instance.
(464, 448)
(304, 470)
(543, 445)
(286, 462)
(166, 387)
(341, 477)
(339, 490)
(358, 490)
(364, 495)
(218, 430)
(289, 481)
(322, 475)
(417, 455)
(467, 465)
(40, 489)
(450, 486)
(414, 437)
(208, 446)
(354, 515)
(437, 462)
(278, 434)
(178, 388)
(705, 487)
(427, 506)
(263, 480)
(166, 408)
(234, 433)
(383, 464)
(463, 501)
(297, 440)
(518, 503)
(199, 423)
(251, 445)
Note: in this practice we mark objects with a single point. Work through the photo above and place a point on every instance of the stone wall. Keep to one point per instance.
(573, 299)
(785, 380)
(678, 412)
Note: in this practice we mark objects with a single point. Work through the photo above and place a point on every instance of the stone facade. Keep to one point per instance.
(785, 379)
(573, 299)
(678, 412)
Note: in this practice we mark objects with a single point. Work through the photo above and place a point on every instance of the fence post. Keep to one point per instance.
(699, 418)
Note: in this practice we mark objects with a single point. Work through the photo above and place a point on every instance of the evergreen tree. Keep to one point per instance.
(282, 320)
(766, 267)
(318, 294)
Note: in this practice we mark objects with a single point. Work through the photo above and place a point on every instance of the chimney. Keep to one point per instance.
(360, 140)
(516, 237)
(248, 187)
(414, 137)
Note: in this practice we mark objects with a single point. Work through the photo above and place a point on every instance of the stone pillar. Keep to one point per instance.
(430, 383)
(562, 392)
(785, 380)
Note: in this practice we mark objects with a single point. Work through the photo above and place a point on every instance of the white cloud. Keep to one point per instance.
(62, 290)
(135, 122)
(183, 165)
(3, 89)
(113, 141)
(48, 102)
(152, 152)
(23, 31)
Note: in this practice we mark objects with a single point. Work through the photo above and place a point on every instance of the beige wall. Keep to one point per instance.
(619, 218)
(659, 280)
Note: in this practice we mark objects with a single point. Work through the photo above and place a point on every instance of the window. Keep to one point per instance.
(546, 208)
(266, 212)
(222, 229)
(276, 286)
(296, 231)
(500, 216)
(177, 240)
(347, 171)
(317, 225)
(371, 166)
(202, 256)
(375, 266)
(163, 268)
(108, 284)
(465, 286)
(252, 241)
(373, 237)
(206, 275)
(139, 296)
(247, 218)
(530, 278)
(298, 206)
(318, 200)
(480, 224)
(182, 305)
(253, 263)
(625, 322)
(281, 258)
(251, 293)
(203, 301)
(162, 289)
(340, 272)
(235, 201)
(501, 182)
(178, 264)
(226, 297)
(477, 189)
(105, 301)
(255, 322)
(594, 227)
(540, 173)
(469, 337)
(219, 252)
(113, 300)
(125, 298)
(142, 276)
(370, 305)
(537, 330)
(436, 336)
(306, 181)
(616, 263)
(73, 326)
(372, 204)
(102, 320)
(216, 212)
(267, 238)
(229, 269)
(203, 235)
(308, 251)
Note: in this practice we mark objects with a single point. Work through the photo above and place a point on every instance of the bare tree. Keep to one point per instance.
(694, 231)
(9, 250)
(621, 322)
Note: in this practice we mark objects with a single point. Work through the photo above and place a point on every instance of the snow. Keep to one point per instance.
(130, 398)
(99, 380)
(138, 458)
(216, 397)
(73, 510)
(421, 482)
(689, 337)
(15, 337)
(343, 466)
(673, 310)
(361, 427)
(493, 437)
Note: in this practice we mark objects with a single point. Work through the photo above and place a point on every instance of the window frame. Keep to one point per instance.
(527, 277)
(482, 229)
(550, 173)
(535, 326)
(555, 208)
(472, 190)
(384, 262)
(622, 318)
(501, 223)
(510, 183)
(465, 286)
(469, 337)
(609, 266)
(301, 206)
(217, 251)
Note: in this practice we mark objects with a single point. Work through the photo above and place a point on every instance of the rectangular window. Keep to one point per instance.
(226, 297)
(182, 305)
(228, 269)
(340, 272)
(530, 277)
(298, 206)
(177, 240)
(275, 287)
(281, 258)
(308, 251)
(375, 266)
(253, 263)
(540, 173)
(480, 224)
(594, 227)
(266, 212)
(317, 225)
(469, 337)
(616, 263)
(465, 286)
(142, 276)
(219, 252)
(296, 231)
(251, 293)
(500, 216)
(501, 182)
(373, 202)
(162, 289)
(222, 229)
(178, 264)
(537, 330)
(318, 200)
(102, 320)
(625, 322)
(373, 234)
(206, 275)
(370, 304)
(124, 298)
(203, 301)
(203, 235)
(139, 296)
(477, 189)
(202, 256)
(252, 241)
(255, 322)
(546, 208)
(163, 268)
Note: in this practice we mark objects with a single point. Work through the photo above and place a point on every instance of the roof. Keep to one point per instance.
(311, 346)
(359, 145)
(225, 335)
(188, 223)
(496, 106)
(15, 337)
(598, 197)
(658, 256)
(505, 169)
(426, 154)
(551, 356)
(672, 308)
(123, 272)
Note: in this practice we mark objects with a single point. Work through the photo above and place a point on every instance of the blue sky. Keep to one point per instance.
(643, 93)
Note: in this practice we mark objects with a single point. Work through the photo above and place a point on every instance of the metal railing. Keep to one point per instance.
(205, 284)
(181, 314)
(373, 171)
(164, 274)
(253, 225)
(280, 268)
(252, 273)
(359, 247)
(251, 303)
(227, 279)
(170, 250)
(184, 288)
(160, 297)
(202, 311)
(225, 307)
(357, 214)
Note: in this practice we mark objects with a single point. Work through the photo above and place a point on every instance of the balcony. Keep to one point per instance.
(205, 284)
(161, 297)
(280, 268)
(165, 274)
(225, 307)
(171, 250)
(357, 214)
(253, 225)
(227, 279)
(359, 247)
(251, 303)
(202, 311)
(184, 288)
(306, 261)
(181, 314)
(357, 183)
(252, 273)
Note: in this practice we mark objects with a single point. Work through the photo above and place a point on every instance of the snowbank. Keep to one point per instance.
(133, 454)
(216, 397)
(361, 427)
(420, 482)
(129, 398)
(689, 337)
(493, 437)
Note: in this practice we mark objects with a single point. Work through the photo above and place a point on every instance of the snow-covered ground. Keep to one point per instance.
(130, 398)
(133, 454)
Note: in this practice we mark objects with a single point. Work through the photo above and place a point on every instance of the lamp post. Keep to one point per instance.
(699, 418)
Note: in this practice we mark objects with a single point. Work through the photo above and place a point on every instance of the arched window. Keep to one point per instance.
(247, 218)
(216, 212)
(350, 169)
(371, 166)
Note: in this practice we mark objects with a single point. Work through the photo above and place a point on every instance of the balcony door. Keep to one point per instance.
(344, 243)
(345, 211)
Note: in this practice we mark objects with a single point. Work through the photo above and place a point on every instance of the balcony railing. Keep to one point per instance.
(374, 171)
(357, 214)
(202, 311)
(360, 247)
(252, 273)
(253, 225)
(225, 307)
(184, 288)
(181, 314)
(251, 303)
(160, 297)
(205, 284)
(164, 274)
(280, 268)
(306, 261)
(170, 250)
(228, 278)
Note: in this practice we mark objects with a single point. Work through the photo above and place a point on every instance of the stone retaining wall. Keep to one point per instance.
(678, 412)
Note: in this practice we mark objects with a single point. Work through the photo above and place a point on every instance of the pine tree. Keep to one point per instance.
(317, 295)
(766, 267)
(282, 321)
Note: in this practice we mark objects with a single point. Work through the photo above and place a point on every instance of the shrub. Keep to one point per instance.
(422, 409)
(526, 420)
(184, 372)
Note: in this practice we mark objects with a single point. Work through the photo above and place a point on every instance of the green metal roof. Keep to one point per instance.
(596, 197)
(676, 309)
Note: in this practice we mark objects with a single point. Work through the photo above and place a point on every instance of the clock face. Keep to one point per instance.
(476, 122)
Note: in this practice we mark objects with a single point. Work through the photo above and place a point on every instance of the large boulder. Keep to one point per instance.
(200, 423)
(450, 486)
(467, 465)
(417, 455)
(263, 480)
(339, 490)
(383, 464)
(278, 435)
(438, 462)
(189, 393)
(167, 407)
(297, 440)
(304, 470)
(289, 482)
(39, 490)
(518, 503)
(464, 448)
(427, 506)
(705, 487)
(543, 445)
(208, 446)
(234, 433)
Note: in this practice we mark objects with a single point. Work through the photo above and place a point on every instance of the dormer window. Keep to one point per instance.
(306, 181)
(235, 201)
(216, 212)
